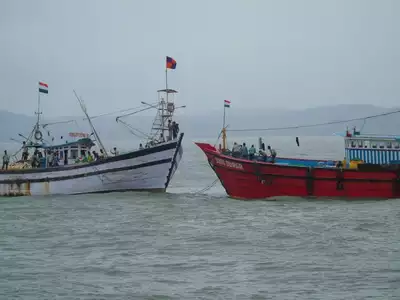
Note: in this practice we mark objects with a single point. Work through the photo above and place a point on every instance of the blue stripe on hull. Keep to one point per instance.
(301, 162)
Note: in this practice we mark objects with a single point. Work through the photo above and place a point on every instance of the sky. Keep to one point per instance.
(259, 54)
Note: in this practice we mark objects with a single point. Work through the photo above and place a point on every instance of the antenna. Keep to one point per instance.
(83, 107)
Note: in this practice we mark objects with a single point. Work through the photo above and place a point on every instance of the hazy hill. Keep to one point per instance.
(208, 125)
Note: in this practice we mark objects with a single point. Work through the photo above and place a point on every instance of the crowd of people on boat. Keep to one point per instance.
(173, 131)
(241, 151)
(52, 158)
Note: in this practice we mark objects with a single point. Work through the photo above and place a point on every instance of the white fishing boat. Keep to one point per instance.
(148, 169)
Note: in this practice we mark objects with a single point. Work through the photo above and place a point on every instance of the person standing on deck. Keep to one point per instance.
(170, 130)
(140, 147)
(115, 153)
(174, 134)
(236, 150)
(96, 155)
(6, 160)
(273, 154)
(252, 152)
(35, 159)
(25, 152)
(101, 154)
(245, 152)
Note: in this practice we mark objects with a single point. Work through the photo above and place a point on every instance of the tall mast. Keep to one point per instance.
(83, 107)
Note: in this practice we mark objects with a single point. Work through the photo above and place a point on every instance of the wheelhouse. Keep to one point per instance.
(372, 149)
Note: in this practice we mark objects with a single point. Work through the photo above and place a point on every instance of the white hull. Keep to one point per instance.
(142, 170)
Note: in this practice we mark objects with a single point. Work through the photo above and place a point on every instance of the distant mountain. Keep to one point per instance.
(208, 126)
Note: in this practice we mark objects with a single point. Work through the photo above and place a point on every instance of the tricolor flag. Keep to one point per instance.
(43, 87)
(171, 63)
(227, 103)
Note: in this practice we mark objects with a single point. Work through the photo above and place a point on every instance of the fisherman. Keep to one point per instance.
(25, 152)
(273, 154)
(89, 157)
(96, 155)
(115, 152)
(55, 159)
(252, 152)
(35, 159)
(170, 130)
(49, 159)
(175, 129)
(141, 147)
(6, 160)
(244, 152)
(263, 155)
(236, 150)
(101, 155)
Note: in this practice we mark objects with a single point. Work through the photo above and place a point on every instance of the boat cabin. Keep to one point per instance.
(68, 153)
(372, 149)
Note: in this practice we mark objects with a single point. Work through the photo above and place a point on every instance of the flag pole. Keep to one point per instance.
(166, 78)
(166, 82)
(223, 123)
(38, 111)
(224, 131)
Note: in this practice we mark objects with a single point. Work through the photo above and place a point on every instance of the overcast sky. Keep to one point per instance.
(258, 54)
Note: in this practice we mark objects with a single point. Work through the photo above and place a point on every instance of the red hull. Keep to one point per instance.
(245, 179)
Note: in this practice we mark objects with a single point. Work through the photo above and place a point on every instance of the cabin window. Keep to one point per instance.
(381, 145)
(74, 154)
(389, 145)
(396, 145)
(374, 145)
(360, 144)
(353, 143)
(83, 153)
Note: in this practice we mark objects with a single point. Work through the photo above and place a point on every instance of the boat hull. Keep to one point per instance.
(143, 170)
(244, 179)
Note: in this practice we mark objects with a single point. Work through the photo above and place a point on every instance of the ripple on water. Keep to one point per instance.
(143, 246)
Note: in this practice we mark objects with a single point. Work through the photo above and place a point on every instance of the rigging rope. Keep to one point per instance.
(319, 124)
(207, 187)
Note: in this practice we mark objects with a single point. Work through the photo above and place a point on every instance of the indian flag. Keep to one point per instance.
(43, 87)
(227, 103)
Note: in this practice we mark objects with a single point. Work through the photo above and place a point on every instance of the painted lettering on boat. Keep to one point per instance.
(229, 164)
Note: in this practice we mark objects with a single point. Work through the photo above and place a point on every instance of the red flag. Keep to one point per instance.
(171, 63)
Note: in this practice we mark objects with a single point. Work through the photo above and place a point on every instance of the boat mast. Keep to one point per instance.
(83, 107)
(38, 112)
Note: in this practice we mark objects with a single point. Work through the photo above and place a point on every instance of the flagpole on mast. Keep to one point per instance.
(38, 111)
(223, 123)
(224, 131)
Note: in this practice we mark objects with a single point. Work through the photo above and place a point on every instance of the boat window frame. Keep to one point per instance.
(74, 151)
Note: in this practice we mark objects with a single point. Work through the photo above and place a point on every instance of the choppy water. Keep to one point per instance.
(183, 245)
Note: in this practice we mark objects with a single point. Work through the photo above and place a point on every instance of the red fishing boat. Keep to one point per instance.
(369, 170)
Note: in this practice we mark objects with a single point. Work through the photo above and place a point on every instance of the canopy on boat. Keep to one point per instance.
(86, 142)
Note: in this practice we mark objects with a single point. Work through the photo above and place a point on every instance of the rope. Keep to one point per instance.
(207, 187)
(319, 124)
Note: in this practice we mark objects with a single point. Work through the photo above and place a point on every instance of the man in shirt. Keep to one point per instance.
(6, 160)
(273, 154)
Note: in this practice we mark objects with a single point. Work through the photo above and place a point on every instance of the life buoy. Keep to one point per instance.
(38, 135)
